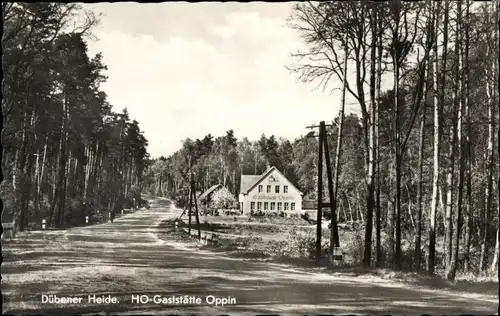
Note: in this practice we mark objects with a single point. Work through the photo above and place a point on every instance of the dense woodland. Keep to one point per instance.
(418, 163)
(66, 153)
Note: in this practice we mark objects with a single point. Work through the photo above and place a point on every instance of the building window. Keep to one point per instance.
(285, 189)
(292, 206)
(277, 189)
(259, 206)
(285, 206)
(268, 189)
(265, 205)
(260, 188)
(279, 206)
(252, 206)
(272, 206)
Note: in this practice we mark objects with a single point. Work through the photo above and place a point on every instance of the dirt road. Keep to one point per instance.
(126, 258)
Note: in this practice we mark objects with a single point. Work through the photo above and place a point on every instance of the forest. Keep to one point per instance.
(66, 153)
(419, 160)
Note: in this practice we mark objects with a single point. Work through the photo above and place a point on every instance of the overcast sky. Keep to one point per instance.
(189, 69)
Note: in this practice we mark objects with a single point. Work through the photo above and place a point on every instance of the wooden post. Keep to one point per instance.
(334, 235)
(193, 186)
(189, 208)
(320, 192)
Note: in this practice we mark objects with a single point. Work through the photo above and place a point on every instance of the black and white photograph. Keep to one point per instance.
(250, 158)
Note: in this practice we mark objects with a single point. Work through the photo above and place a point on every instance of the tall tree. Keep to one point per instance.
(462, 107)
(437, 144)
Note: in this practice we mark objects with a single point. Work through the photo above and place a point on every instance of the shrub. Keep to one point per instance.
(257, 213)
(300, 245)
(354, 247)
(223, 199)
(74, 214)
(271, 214)
(7, 194)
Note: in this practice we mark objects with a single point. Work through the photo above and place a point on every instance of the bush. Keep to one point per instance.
(74, 214)
(7, 194)
(300, 245)
(223, 199)
(256, 213)
(354, 248)
(271, 214)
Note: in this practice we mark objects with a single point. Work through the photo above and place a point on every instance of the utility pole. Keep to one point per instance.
(193, 192)
(334, 240)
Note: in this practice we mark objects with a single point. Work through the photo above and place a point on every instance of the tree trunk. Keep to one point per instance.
(410, 204)
(88, 167)
(371, 150)
(334, 238)
(490, 156)
(420, 189)
(360, 209)
(451, 157)
(494, 262)
(378, 219)
(61, 184)
(437, 143)
(390, 227)
(350, 208)
(343, 209)
(397, 147)
(18, 177)
(469, 209)
(451, 270)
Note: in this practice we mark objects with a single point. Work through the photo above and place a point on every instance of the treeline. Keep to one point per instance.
(66, 154)
(420, 163)
(428, 143)
(224, 159)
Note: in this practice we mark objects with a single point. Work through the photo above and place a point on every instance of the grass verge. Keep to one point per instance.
(251, 246)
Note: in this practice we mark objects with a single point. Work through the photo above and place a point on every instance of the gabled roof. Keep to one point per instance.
(209, 191)
(248, 182)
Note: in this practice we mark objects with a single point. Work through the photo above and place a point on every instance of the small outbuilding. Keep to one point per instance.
(206, 197)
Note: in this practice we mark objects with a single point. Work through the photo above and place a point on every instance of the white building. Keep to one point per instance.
(269, 192)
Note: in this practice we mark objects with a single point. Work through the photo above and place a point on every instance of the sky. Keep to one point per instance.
(190, 69)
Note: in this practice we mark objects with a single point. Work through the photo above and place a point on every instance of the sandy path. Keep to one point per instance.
(127, 258)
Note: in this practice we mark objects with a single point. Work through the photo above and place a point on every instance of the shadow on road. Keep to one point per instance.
(126, 258)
